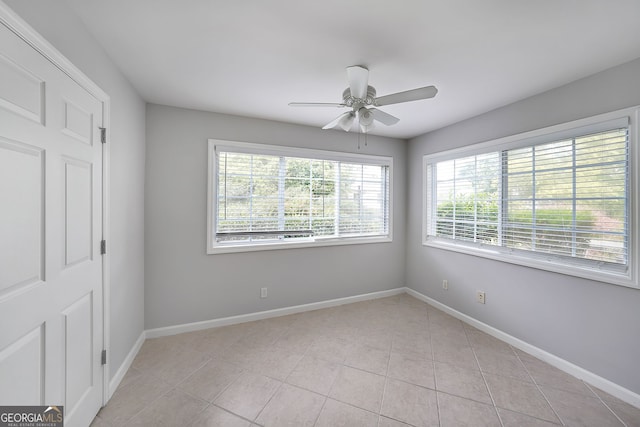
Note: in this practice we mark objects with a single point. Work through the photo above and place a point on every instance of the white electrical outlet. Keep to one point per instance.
(480, 297)
(263, 292)
(445, 284)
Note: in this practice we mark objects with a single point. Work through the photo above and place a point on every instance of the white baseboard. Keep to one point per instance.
(126, 364)
(196, 326)
(568, 367)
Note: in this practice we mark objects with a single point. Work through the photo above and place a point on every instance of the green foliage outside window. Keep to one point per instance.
(271, 193)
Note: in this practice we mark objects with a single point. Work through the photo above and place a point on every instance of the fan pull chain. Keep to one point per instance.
(365, 138)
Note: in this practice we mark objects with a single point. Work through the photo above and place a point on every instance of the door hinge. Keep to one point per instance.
(103, 135)
(103, 247)
(104, 357)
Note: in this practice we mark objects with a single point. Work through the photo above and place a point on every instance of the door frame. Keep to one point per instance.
(23, 30)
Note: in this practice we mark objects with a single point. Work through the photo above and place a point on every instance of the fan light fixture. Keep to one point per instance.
(365, 120)
(361, 98)
(365, 117)
(346, 121)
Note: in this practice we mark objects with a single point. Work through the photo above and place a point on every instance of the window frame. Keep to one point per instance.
(628, 278)
(216, 145)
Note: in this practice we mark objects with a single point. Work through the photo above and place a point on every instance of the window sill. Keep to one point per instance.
(227, 249)
(552, 265)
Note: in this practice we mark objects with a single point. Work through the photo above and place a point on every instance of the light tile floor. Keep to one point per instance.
(389, 362)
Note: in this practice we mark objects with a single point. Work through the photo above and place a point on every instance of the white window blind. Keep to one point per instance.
(563, 198)
(264, 197)
(467, 198)
(569, 197)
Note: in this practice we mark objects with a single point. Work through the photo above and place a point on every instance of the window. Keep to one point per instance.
(561, 199)
(267, 197)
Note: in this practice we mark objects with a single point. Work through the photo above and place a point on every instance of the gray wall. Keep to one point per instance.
(184, 284)
(57, 23)
(591, 324)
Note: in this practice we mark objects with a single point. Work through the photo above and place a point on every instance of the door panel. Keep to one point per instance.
(21, 366)
(78, 319)
(21, 187)
(78, 123)
(78, 217)
(50, 230)
(21, 91)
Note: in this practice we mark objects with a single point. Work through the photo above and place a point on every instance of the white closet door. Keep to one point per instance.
(50, 232)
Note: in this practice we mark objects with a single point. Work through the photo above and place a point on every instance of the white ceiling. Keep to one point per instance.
(253, 57)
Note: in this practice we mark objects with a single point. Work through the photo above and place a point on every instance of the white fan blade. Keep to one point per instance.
(358, 81)
(384, 118)
(316, 104)
(409, 95)
(344, 120)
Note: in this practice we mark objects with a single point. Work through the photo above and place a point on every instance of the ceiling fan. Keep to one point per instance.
(361, 99)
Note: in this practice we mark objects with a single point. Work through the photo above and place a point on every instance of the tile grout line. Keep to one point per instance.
(357, 407)
(162, 380)
(277, 390)
(433, 364)
(177, 389)
(242, 372)
(386, 380)
(255, 420)
(206, 362)
(321, 409)
(484, 379)
(324, 396)
(605, 404)
(538, 386)
(233, 413)
(384, 387)
(152, 401)
(207, 406)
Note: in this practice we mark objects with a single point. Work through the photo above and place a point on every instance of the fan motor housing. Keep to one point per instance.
(350, 100)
